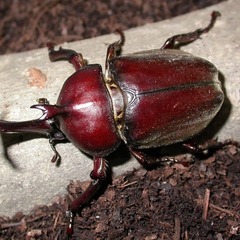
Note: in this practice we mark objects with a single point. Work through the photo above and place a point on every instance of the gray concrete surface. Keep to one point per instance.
(35, 180)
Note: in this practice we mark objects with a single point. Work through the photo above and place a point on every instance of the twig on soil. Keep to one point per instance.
(38, 217)
(186, 235)
(8, 225)
(56, 220)
(177, 233)
(229, 212)
(126, 184)
(206, 204)
(215, 207)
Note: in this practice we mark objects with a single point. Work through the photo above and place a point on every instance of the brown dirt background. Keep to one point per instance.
(28, 25)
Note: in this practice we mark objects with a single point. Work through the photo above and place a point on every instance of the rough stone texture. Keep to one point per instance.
(28, 177)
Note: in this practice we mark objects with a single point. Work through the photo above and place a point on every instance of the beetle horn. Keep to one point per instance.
(45, 125)
(42, 125)
(38, 126)
(49, 111)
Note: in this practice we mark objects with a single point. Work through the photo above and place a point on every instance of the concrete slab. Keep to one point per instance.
(27, 177)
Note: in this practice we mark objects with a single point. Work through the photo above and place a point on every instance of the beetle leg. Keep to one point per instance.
(113, 50)
(209, 145)
(76, 59)
(56, 157)
(150, 161)
(191, 36)
(98, 175)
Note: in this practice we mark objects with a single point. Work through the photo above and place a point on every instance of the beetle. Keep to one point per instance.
(147, 99)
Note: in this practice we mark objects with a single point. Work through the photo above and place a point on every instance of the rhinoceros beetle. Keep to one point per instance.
(146, 99)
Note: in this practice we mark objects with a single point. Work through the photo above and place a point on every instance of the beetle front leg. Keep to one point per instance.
(98, 176)
(113, 50)
(76, 59)
(190, 37)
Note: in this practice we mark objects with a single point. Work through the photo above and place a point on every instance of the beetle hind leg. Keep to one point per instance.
(76, 59)
(186, 38)
(208, 146)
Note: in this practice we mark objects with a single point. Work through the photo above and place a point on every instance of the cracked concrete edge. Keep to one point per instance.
(34, 180)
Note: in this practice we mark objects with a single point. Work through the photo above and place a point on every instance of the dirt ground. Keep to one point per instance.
(197, 198)
(28, 25)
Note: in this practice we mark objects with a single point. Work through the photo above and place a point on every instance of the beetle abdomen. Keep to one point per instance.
(170, 96)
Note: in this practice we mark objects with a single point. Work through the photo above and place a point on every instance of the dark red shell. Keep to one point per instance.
(88, 121)
(170, 96)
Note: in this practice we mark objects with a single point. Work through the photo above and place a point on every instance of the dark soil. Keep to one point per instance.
(191, 200)
(28, 24)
